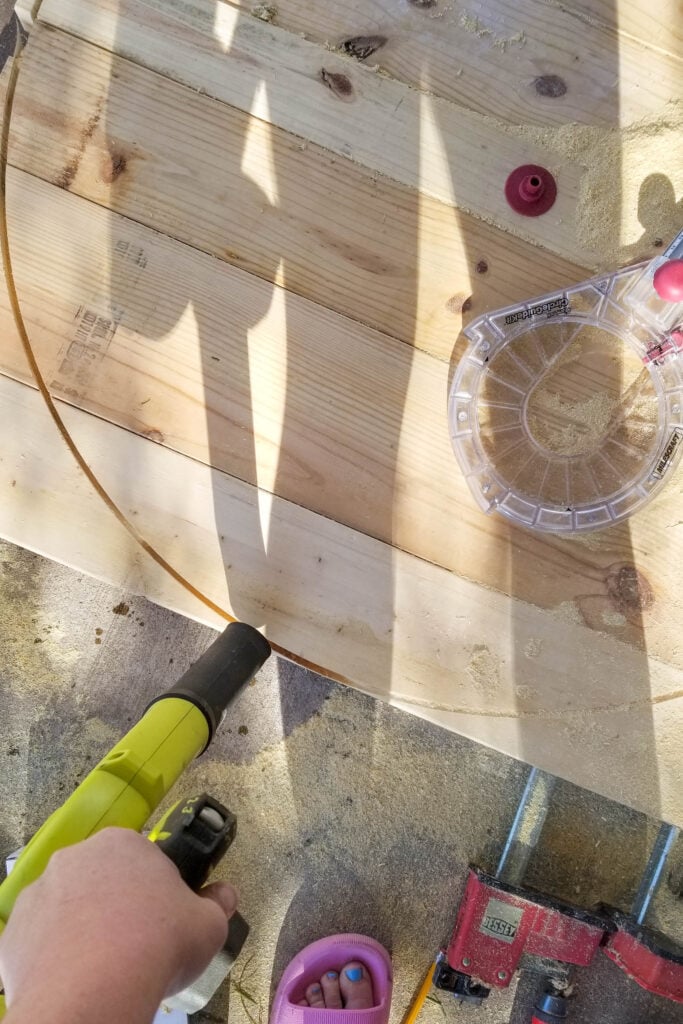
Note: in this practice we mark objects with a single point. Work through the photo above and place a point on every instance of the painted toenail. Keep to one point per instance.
(331, 975)
(315, 988)
(354, 973)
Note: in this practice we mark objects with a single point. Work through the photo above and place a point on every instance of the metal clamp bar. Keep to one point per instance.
(526, 827)
(654, 872)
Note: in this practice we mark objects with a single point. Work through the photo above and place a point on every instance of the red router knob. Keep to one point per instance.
(530, 190)
(668, 281)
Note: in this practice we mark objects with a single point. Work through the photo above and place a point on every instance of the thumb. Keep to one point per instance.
(223, 894)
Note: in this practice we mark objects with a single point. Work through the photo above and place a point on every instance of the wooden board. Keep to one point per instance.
(659, 25)
(379, 254)
(532, 62)
(617, 190)
(249, 276)
(385, 621)
(279, 391)
(418, 140)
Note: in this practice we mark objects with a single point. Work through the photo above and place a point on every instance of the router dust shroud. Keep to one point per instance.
(566, 412)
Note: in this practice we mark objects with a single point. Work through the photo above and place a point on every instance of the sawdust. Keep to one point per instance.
(569, 413)
(264, 12)
(362, 818)
(597, 388)
(92, 735)
(583, 423)
(338, 820)
(611, 618)
(483, 670)
(577, 12)
(528, 698)
(503, 44)
(602, 868)
(638, 421)
(475, 27)
(593, 541)
(533, 647)
(632, 180)
(666, 912)
(567, 611)
(46, 668)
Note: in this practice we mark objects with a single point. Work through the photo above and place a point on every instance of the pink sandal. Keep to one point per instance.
(331, 954)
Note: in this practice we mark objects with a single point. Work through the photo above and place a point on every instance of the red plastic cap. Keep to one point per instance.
(668, 281)
(530, 190)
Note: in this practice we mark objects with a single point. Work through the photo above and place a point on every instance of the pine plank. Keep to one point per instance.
(380, 254)
(316, 410)
(582, 705)
(510, 61)
(324, 412)
(659, 24)
(430, 144)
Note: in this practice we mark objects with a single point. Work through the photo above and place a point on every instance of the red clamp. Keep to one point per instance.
(651, 959)
(497, 923)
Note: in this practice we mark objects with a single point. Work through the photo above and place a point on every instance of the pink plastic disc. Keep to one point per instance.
(668, 281)
(530, 190)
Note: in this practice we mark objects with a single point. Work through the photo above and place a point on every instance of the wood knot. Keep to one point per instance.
(113, 166)
(337, 83)
(423, 3)
(118, 165)
(154, 435)
(550, 85)
(628, 590)
(481, 267)
(363, 46)
(459, 303)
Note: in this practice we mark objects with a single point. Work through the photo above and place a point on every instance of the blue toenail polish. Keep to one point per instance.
(315, 988)
(331, 975)
(354, 973)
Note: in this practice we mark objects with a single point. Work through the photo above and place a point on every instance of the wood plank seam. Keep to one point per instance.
(400, 620)
(468, 57)
(589, 18)
(261, 588)
(378, 255)
(375, 129)
(414, 497)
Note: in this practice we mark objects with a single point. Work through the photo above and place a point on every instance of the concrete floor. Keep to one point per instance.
(352, 815)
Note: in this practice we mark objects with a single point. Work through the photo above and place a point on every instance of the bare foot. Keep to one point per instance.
(350, 990)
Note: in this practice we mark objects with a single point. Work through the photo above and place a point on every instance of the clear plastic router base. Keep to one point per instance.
(566, 412)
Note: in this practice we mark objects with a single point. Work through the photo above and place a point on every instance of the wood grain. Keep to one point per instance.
(532, 62)
(258, 198)
(659, 25)
(313, 407)
(330, 99)
(442, 647)
(350, 535)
